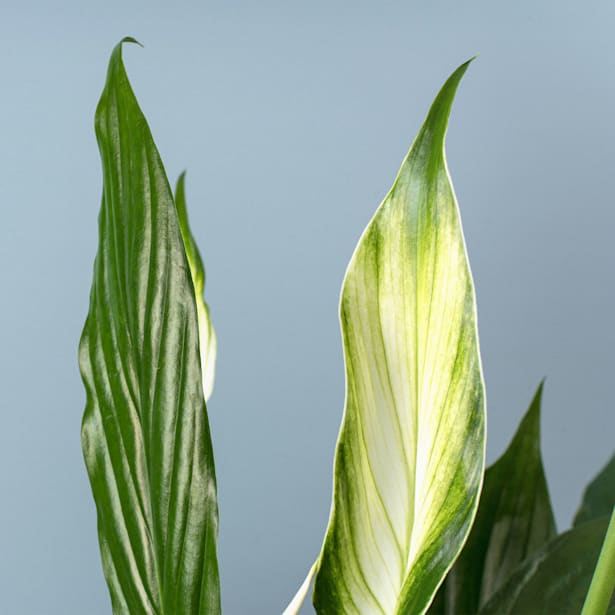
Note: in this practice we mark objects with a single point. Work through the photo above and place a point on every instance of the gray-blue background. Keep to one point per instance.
(292, 118)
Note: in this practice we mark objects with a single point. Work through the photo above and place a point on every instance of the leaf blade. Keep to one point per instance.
(413, 381)
(145, 433)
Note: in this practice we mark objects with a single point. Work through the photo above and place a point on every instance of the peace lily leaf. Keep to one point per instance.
(514, 519)
(556, 578)
(207, 335)
(410, 454)
(145, 432)
(599, 496)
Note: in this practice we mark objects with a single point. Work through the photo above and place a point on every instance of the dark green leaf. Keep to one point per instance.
(514, 519)
(145, 432)
(555, 580)
(599, 496)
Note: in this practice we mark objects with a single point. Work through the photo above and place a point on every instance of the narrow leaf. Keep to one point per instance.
(514, 519)
(410, 454)
(599, 496)
(145, 432)
(556, 578)
(207, 335)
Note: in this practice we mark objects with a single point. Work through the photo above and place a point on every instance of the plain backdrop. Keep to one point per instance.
(292, 118)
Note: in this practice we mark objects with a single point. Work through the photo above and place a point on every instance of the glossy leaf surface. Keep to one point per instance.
(207, 335)
(599, 497)
(514, 519)
(556, 578)
(145, 432)
(410, 454)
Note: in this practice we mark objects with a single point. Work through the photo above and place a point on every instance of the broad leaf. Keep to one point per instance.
(145, 432)
(599, 496)
(556, 578)
(410, 454)
(514, 519)
(207, 335)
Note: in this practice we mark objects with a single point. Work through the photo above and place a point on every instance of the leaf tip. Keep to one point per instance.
(457, 74)
(532, 416)
(180, 199)
(436, 122)
(538, 395)
(130, 39)
(116, 55)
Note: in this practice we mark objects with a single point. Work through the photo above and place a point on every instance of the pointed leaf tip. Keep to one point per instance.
(116, 54)
(130, 39)
(433, 132)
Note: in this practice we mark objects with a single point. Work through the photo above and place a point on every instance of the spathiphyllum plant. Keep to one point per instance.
(417, 525)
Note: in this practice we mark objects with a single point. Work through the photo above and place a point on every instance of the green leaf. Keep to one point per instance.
(145, 432)
(556, 578)
(599, 496)
(514, 519)
(410, 454)
(207, 335)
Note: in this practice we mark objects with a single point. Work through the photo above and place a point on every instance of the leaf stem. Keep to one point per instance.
(603, 581)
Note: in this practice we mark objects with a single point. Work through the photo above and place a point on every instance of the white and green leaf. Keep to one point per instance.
(410, 454)
(207, 335)
(145, 432)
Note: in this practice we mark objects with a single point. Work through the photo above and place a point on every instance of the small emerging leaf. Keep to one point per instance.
(514, 519)
(207, 335)
(410, 454)
(145, 432)
(599, 496)
(555, 579)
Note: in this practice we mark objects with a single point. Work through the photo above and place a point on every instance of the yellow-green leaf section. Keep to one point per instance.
(207, 335)
(410, 455)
